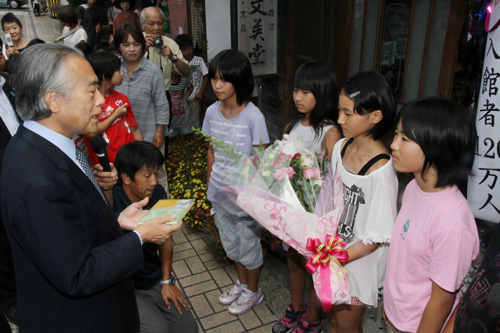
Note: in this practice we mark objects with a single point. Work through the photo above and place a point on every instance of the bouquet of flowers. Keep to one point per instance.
(290, 192)
(286, 165)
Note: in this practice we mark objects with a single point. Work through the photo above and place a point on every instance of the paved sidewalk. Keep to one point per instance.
(43, 26)
(203, 280)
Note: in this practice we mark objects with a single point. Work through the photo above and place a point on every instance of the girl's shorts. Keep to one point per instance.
(240, 237)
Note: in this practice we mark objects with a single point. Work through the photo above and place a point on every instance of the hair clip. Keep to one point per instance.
(354, 94)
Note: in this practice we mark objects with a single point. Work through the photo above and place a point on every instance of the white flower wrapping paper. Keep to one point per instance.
(267, 191)
(284, 169)
(304, 232)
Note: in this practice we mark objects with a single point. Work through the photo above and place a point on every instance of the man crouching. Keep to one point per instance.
(138, 165)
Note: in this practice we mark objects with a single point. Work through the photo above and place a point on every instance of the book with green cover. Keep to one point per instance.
(164, 207)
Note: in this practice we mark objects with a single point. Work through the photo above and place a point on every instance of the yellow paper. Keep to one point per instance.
(164, 207)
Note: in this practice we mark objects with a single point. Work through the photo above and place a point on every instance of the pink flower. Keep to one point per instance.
(256, 161)
(281, 155)
(284, 173)
(250, 178)
(312, 173)
(277, 163)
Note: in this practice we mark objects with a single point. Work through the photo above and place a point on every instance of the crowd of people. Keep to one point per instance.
(126, 85)
(82, 262)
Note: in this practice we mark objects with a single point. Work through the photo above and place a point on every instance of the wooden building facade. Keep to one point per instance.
(414, 43)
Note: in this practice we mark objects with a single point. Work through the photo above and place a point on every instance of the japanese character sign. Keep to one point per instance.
(257, 34)
(484, 189)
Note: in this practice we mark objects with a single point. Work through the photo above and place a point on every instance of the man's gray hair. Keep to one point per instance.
(142, 18)
(42, 68)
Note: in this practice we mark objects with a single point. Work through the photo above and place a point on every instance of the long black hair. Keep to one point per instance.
(234, 67)
(319, 78)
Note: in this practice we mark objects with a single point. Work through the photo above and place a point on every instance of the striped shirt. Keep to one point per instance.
(146, 91)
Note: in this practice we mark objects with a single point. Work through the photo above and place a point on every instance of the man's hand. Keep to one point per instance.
(158, 139)
(156, 231)
(131, 215)
(150, 41)
(165, 51)
(106, 179)
(173, 294)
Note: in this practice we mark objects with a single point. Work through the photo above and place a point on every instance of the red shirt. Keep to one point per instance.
(119, 133)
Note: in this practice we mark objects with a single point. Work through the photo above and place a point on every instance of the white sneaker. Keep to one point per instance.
(246, 301)
(232, 295)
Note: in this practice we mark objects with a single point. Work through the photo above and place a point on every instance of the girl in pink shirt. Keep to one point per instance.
(435, 236)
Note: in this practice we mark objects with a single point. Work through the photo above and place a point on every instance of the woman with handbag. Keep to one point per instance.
(72, 33)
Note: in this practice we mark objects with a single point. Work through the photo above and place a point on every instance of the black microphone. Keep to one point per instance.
(100, 148)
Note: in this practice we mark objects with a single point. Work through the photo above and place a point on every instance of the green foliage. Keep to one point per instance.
(231, 154)
(187, 176)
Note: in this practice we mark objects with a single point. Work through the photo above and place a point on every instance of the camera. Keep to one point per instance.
(158, 42)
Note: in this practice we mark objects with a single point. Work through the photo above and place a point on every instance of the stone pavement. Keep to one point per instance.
(203, 280)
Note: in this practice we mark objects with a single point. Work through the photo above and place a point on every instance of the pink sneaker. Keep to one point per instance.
(308, 326)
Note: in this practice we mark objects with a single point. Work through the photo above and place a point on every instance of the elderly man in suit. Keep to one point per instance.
(9, 122)
(72, 262)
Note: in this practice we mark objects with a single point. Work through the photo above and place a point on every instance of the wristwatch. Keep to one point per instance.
(170, 282)
(175, 58)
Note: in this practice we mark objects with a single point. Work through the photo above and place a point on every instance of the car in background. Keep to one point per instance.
(14, 4)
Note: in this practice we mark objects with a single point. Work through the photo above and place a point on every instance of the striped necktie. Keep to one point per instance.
(88, 170)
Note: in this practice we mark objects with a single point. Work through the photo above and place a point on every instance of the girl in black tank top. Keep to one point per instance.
(367, 110)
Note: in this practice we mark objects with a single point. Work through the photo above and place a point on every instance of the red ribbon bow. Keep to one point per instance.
(324, 254)
(328, 254)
